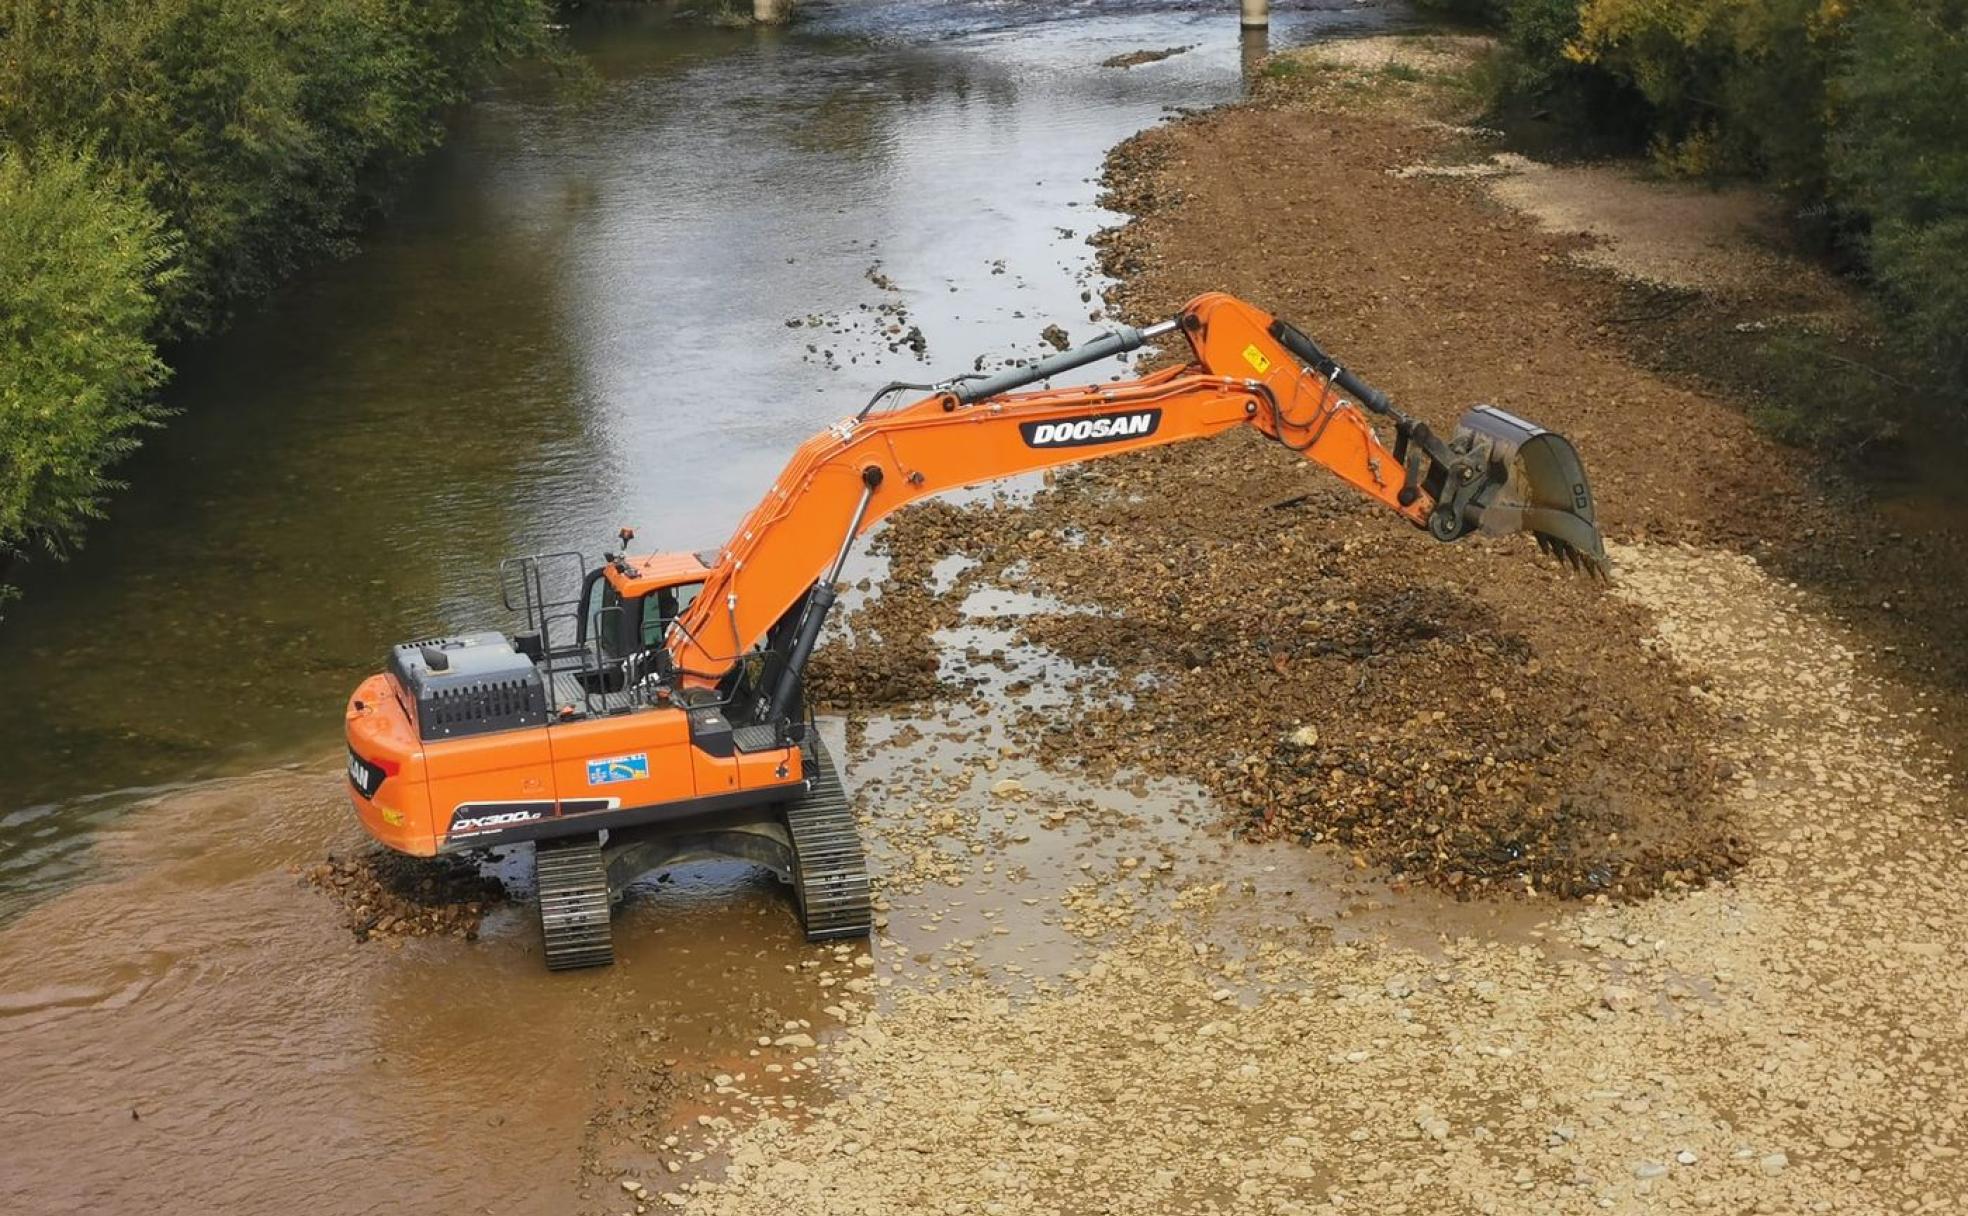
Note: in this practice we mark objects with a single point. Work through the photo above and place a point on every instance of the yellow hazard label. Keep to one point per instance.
(1256, 359)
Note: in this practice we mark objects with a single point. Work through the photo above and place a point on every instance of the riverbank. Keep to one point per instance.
(1749, 802)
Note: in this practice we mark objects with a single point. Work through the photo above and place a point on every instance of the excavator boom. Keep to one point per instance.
(1247, 368)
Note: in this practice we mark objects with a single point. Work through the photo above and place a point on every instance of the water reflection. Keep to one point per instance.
(1253, 45)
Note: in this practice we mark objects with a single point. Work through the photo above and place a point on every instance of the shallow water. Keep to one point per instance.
(575, 319)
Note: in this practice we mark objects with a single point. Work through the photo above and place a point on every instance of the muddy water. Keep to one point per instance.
(576, 318)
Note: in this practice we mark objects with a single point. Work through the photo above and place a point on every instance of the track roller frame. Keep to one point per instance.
(809, 841)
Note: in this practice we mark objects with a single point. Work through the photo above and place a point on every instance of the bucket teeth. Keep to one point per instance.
(1587, 564)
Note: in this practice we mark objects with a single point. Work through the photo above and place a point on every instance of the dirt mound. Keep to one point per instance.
(886, 654)
(1340, 679)
(385, 894)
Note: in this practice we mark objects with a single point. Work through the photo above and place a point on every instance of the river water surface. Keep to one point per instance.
(577, 318)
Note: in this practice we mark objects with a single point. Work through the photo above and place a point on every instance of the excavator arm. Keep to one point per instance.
(1247, 368)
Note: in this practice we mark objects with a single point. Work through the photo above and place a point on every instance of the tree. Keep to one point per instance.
(82, 258)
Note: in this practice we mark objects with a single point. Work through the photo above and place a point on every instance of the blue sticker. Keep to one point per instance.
(618, 768)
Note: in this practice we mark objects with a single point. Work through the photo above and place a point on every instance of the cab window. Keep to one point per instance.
(662, 606)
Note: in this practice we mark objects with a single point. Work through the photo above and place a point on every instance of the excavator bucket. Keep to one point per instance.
(1536, 484)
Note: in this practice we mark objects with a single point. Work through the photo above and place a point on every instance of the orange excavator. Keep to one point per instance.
(654, 713)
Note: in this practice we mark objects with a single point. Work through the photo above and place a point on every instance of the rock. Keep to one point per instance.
(1686, 1157)
(1773, 1164)
(1649, 1169)
(1837, 1140)
(1135, 59)
(1619, 999)
(1010, 785)
(1306, 736)
(793, 1040)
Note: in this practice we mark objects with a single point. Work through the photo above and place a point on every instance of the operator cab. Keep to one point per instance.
(629, 604)
(600, 638)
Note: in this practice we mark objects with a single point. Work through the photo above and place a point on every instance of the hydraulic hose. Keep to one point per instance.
(1107, 345)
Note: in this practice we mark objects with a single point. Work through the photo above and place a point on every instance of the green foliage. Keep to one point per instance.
(1899, 156)
(1851, 108)
(262, 129)
(1475, 12)
(244, 136)
(1533, 72)
(1817, 397)
(81, 258)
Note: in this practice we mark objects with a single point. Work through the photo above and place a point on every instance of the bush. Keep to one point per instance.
(1899, 158)
(1813, 395)
(262, 129)
(81, 260)
(1851, 109)
(1732, 85)
(244, 136)
(1478, 12)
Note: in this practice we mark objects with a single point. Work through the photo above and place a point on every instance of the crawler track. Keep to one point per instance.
(574, 903)
(830, 871)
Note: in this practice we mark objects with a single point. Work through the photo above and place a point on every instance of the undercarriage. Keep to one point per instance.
(809, 842)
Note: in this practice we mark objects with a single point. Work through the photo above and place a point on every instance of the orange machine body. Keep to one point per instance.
(577, 771)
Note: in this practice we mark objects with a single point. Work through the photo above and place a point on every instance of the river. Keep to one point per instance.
(584, 312)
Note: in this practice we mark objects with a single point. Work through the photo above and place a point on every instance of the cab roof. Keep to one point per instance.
(654, 571)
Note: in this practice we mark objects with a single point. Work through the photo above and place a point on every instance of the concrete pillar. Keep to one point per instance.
(1256, 14)
(1253, 46)
(775, 12)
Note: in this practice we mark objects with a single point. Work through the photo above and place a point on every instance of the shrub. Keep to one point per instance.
(245, 136)
(1478, 12)
(1813, 395)
(1852, 109)
(81, 259)
(263, 130)
(1899, 157)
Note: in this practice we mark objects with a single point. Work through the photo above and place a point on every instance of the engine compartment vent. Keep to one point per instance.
(471, 684)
